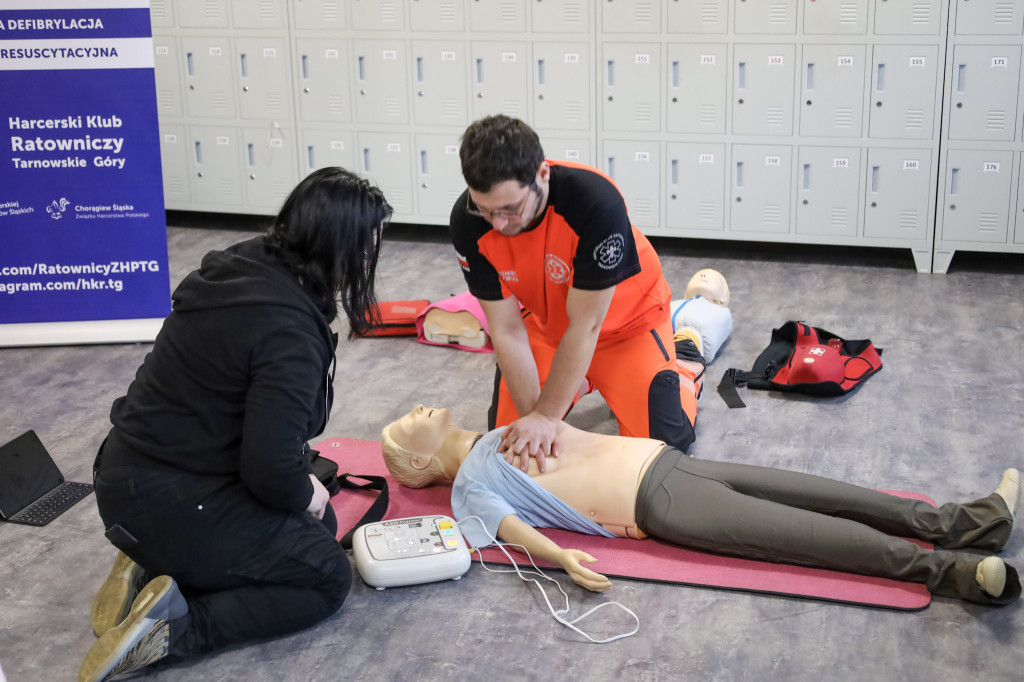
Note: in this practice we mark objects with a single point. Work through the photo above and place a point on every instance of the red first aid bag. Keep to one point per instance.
(805, 359)
(397, 318)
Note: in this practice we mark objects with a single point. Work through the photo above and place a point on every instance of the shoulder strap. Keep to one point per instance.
(377, 509)
(727, 387)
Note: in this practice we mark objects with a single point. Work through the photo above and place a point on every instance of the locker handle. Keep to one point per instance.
(809, 81)
(251, 154)
(741, 76)
(479, 71)
(366, 159)
(419, 69)
(242, 64)
(961, 74)
(611, 72)
(540, 72)
(675, 74)
(874, 178)
(305, 67)
(880, 78)
(423, 161)
(309, 157)
(954, 181)
(674, 172)
(805, 180)
(190, 64)
(199, 152)
(610, 169)
(739, 174)
(361, 68)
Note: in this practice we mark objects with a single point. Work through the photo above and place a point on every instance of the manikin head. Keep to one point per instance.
(711, 285)
(417, 447)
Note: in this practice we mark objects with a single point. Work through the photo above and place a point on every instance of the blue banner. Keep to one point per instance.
(82, 223)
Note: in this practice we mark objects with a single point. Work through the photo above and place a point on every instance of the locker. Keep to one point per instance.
(386, 159)
(209, 90)
(214, 160)
(561, 16)
(321, 148)
(503, 16)
(380, 81)
(166, 59)
(766, 16)
(896, 193)
(377, 15)
(439, 181)
(567, 149)
(903, 91)
(202, 13)
(631, 74)
(500, 77)
(908, 17)
(989, 17)
(832, 91)
(976, 195)
(761, 188)
(440, 71)
(844, 17)
(324, 92)
(635, 166)
(828, 191)
(161, 14)
(697, 87)
(631, 16)
(1018, 232)
(561, 86)
(325, 15)
(437, 15)
(763, 89)
(262, 68)
(268, 157)
(983, 104)
(267, 14)
(695, 186)
(698, 16)
(174, 164)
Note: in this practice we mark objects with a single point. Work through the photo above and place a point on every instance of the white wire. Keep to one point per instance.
(571, 624)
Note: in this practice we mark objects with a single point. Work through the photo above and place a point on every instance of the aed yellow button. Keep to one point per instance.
(452, 543)
(444, 524)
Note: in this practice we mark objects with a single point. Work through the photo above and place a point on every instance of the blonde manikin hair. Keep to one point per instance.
(399, 463)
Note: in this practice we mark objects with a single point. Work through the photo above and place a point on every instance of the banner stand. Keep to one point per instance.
(76, 333)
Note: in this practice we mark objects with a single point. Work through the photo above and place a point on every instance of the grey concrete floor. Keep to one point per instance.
(943, 417)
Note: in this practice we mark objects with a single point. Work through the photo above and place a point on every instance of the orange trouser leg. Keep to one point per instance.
(503, 410)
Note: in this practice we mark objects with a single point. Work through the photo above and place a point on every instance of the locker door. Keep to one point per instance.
(501, 73)
(323, 79)
(381, 84)
(698, 16)
(695, 186)
(631, 16)
(161, 14)
(439, 180)
(263, 65)
(377, 15)
(268, 14)
(437, 15)
(385, 158)
(1018, 232)
(766, 16)
(502, 16)
(214, 161)
(630, 79)
(976, 196)
(832, 91)
(567, 149)
(635, 167)
(896, 193)
(989, 17)
(697, 87)
(202, 13)
(166, 59)
(208, 87)
(321, 148)
(561, 16)
(915, 17)
(847, 17)
(984, 92)
(903, 91)
(269, 159)
(828, 191)
(561, 86)
(174, 165)
(319, 14)
(439, 77)
(763, 90)
(761, 191)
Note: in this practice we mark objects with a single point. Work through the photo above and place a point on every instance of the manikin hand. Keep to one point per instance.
(569, 560)
(318, 503)
(530, 436)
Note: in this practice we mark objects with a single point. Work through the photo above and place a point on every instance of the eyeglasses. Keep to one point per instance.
(472, 208)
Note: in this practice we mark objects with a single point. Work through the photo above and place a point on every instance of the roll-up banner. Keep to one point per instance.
(83, 235)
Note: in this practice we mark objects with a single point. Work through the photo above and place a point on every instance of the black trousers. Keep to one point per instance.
(794, 518)
(247, 571)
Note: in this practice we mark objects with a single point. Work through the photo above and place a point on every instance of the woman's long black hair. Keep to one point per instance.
(328, 233)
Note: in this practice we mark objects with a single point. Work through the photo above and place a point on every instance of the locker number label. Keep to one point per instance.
(162, 49)
(991, 167)
(642, 156)
(911, 164)
(509, 57)
(1000, 62)
(451, 149)
(170, 138)
(572, 154)
(223, 140)
(331, 53)
(270, 52)
(918, 61)
(844, 61)
(447, 56)
(216, 52)
(776, 60)
(707, 60)
(276, 142)
(572, 57)
(773, 161)
(839, 162)
(641, 59)
(394, 147)
(706, 158)
(337, 145)
(389, 55)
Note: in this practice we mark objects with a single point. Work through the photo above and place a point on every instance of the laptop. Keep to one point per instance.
(32, 489)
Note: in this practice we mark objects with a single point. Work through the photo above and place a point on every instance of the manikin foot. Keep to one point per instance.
(1009, 490)
(991, 576)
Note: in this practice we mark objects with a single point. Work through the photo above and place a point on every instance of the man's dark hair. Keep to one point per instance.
(328, 234)
(498, 148)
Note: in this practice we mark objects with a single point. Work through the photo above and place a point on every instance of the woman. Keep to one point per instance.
(204, 482)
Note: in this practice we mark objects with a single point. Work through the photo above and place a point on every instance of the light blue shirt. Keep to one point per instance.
(489, 487)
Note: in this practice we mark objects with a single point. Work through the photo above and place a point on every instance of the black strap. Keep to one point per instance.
(377, 509)
(727, 387)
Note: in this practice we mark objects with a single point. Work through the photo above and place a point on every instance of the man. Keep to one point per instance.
(573, 294)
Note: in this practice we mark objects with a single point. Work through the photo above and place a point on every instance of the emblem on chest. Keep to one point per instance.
(556, 269)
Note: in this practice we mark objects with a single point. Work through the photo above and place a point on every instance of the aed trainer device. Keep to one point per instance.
(410, 551)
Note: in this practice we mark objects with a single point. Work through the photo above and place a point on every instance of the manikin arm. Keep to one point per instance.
(516, 532)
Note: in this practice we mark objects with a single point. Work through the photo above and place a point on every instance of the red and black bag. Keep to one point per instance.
(804, 359)
(397, 318)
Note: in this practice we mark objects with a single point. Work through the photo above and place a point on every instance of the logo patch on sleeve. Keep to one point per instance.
(609, 253)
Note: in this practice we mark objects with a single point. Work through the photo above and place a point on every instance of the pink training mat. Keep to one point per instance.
(624, 558)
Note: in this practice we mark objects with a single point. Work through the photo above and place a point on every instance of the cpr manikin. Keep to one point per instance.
(461, 328)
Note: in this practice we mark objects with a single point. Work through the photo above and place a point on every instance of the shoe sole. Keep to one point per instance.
(114, 599)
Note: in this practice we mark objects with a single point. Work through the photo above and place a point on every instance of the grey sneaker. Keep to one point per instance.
(114, 600)
(143, 638)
